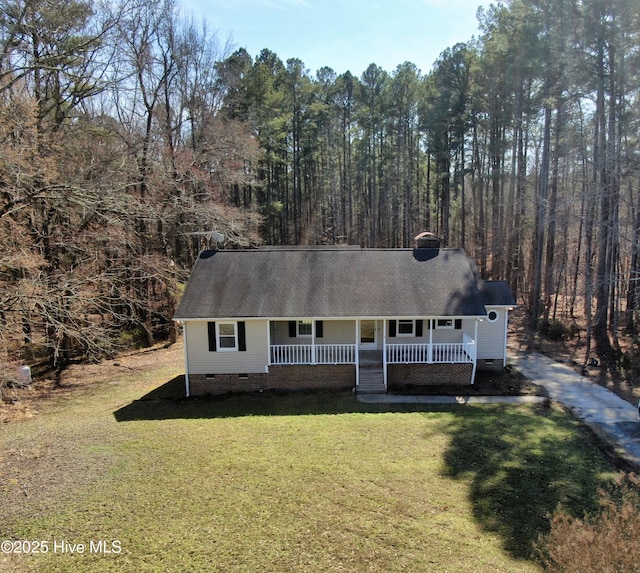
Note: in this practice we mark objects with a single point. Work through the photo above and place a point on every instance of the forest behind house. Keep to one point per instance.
(129, 130)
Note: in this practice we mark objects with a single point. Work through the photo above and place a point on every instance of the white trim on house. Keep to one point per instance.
(313, 341)
(186, 358)
(496, 318)
(220, 336)
(305, 321)
(385, 376)
(357, 357)
(475, 358)
(267, 362)
(506, 327)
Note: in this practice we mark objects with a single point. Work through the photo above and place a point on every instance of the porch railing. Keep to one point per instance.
(451, 353)
(408, 353)
(335, 354)
(436, 353)
(313, 354)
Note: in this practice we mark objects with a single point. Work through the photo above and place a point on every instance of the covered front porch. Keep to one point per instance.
(372, 345)
(394, 353)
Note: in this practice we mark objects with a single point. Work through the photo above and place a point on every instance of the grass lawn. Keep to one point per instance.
(298, 482)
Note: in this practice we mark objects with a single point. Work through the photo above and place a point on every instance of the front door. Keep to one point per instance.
(368, 335)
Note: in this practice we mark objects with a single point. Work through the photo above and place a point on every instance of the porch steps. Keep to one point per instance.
(371, 380)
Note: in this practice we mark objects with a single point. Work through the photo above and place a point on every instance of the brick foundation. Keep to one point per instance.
(290, 377)
(331, 377)
(401, 375)
(496, 365)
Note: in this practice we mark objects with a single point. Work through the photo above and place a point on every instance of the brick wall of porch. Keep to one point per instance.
(402, 376)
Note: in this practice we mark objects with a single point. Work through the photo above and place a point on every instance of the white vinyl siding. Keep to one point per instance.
(451, 334)
(333, 332)
(202, 361)
(491, 336)
(338, 332)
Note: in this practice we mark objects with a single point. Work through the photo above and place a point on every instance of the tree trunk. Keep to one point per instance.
(540, 228)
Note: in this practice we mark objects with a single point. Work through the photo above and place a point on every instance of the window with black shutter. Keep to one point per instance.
(211, 332)
(242, 337)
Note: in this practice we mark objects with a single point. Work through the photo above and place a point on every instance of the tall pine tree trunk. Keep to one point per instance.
(603, 185)
(541, 221)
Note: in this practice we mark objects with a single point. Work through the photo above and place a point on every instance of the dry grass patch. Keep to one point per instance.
(603, 542)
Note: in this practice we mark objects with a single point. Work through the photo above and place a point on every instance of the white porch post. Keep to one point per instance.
(430, 351)
(186, 359)
(357, 352)
(268, 345)
(384, 353)
(313, 341)
(475, 354)
(506, 332)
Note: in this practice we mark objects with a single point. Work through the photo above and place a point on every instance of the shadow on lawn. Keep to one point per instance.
(521, 469)
(168, 402)
(520, 465)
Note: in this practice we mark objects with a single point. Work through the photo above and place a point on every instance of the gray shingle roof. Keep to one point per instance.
(330, 282)
(496, 293)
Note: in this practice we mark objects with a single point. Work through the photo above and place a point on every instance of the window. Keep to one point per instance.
(444, 323)
(305, 328)
(492, 316)
(227, 336)
(406, 327)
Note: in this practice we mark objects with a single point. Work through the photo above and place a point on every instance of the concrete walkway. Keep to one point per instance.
(462, 400)
(612, 418)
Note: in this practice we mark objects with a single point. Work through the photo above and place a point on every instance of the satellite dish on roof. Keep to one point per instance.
(212, 235)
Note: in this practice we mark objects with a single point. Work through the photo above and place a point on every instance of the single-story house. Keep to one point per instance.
(339, 317)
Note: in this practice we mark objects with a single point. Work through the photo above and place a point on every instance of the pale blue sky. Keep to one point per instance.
(343, 34)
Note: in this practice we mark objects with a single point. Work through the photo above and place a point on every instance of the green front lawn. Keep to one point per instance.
(299, 482)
